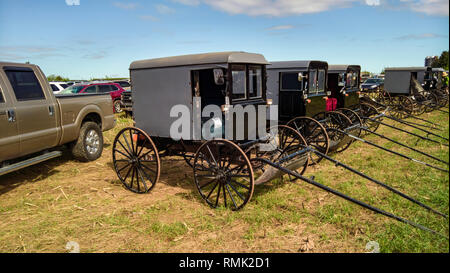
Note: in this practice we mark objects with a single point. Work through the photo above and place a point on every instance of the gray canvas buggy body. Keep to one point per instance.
(299, 88)
(225, 81)
(405, 88)
(226, 170)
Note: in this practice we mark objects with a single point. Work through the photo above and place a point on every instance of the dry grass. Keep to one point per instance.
(45, 206)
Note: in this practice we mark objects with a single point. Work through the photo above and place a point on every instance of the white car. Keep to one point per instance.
(58, 86)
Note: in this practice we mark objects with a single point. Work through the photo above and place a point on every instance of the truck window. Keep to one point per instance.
(25, 85)
(1, 97)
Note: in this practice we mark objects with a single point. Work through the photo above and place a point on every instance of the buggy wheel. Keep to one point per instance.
(356, 121)
(419, 104)
(223, 174)
(136, 160)
(433, 102)
(401, 107)
(281, 145)
(334, 122)
(315, 135)
(367, 111)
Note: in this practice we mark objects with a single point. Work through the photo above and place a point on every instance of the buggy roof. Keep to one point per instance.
(199, 59)
(335, 68)
(438, 69)
(303, 65)
(412, 68)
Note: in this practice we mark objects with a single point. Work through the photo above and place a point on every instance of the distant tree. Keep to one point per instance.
(382, 72)
(442, 61)
(57, 78)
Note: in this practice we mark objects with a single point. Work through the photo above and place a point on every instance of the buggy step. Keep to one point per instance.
(29, 162)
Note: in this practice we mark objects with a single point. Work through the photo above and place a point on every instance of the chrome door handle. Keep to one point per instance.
(11, 116)
(51, 110)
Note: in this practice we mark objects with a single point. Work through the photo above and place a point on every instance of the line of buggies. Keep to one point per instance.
(311, 110)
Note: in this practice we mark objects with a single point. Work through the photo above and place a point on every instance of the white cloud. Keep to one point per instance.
(422, 36)
(148, 18)
(188, 2)
(431, 7)
(163, 9)
(127, 6)
(373, 2)
(278, 8)
(280, 27)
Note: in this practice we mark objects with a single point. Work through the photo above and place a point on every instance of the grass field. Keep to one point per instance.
(44, 207)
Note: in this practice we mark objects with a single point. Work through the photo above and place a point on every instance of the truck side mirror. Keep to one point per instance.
(300, 77)
(218, 76)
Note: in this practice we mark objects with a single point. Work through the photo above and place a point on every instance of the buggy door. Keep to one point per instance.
(291, 103)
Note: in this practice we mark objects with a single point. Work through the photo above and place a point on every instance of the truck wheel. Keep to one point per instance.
(117, 106)
(89, 145)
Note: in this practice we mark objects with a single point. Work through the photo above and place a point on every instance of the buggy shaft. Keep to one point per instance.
(391, 151)
(402, 130)
(346, 197)
(338, 163)
(423, 130)
(403, 145)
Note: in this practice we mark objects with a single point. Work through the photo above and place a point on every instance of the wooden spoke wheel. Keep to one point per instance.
(442, 98)
(433, 102)
(419, 102)
(136, 160)
(401, 107)
(223, 174)
(356, 120)
(335, 122)
(368, 112)
(315, 135)
(282, 145)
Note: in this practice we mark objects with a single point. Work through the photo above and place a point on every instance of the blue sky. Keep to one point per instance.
(102, 37)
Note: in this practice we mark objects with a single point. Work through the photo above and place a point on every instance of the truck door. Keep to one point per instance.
(9, 138)
(35, 111)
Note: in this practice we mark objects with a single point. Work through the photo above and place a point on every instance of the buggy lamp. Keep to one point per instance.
(225, 107)
(325, 98)
(346, 94)
(308, 101)
(269, 101)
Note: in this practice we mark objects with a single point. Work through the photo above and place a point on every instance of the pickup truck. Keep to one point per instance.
(34, 123)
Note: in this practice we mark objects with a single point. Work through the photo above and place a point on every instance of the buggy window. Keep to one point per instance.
(1, 97)
(254, 81)
(312, 81)
(321, 81)
(25, 85)
(64, 85)
(352, 79)
(238, 75)
(290, 82)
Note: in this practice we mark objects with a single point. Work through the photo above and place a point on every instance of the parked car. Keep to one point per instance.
(114, 89)
(125, 84)
(58, 86)
(127, 101)
(372, 84)
(35, 123)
